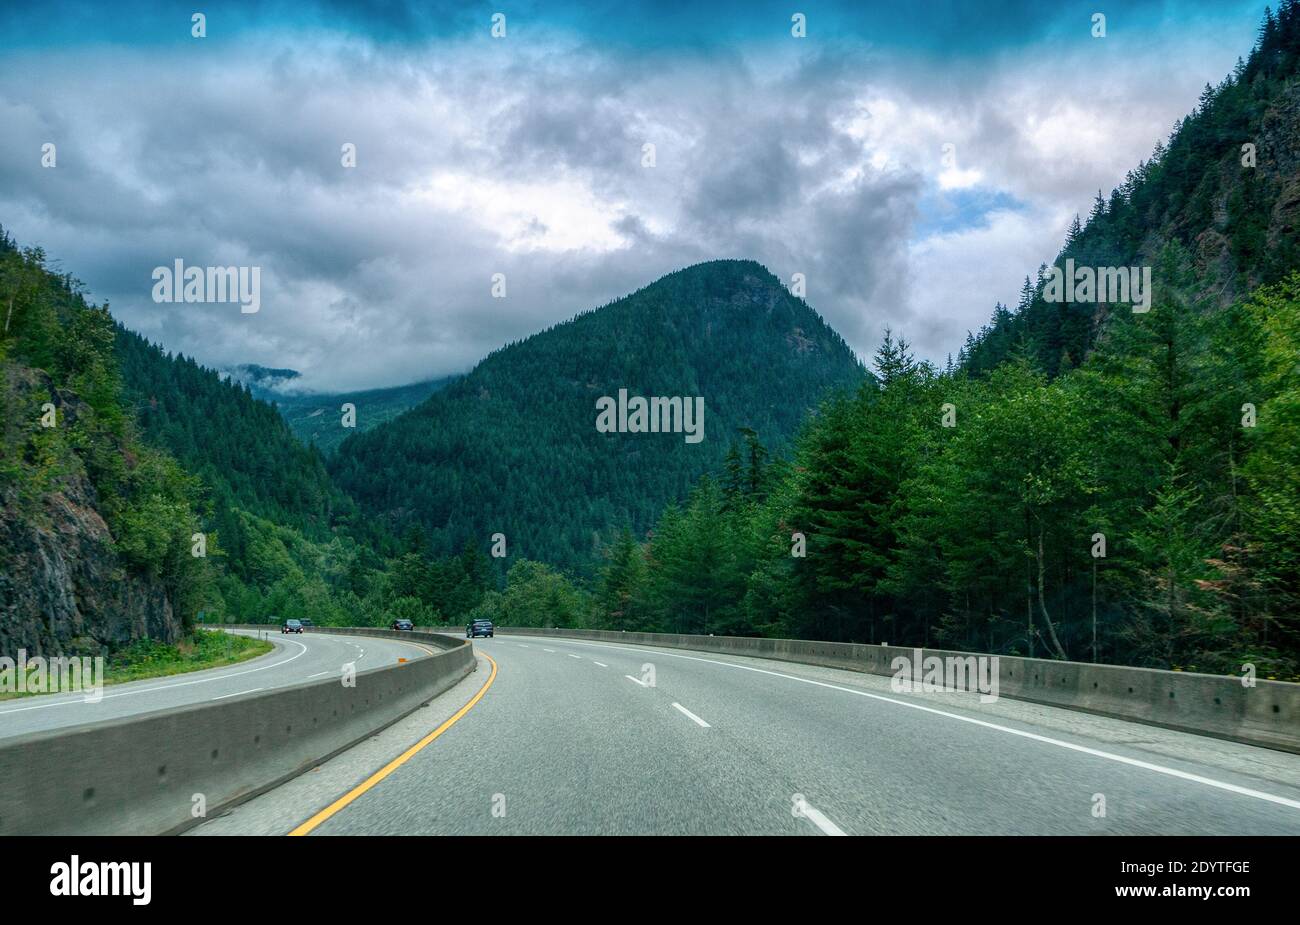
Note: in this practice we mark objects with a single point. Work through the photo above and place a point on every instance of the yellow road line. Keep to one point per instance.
(397, 762)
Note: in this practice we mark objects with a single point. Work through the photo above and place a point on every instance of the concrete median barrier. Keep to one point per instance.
(152, 774)
(1265, 714)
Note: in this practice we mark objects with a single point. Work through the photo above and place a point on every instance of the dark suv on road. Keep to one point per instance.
(403, 625)
(291, 626)
(479, 628)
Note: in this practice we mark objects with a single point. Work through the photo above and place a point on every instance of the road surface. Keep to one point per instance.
(575, 737)
(296, 658)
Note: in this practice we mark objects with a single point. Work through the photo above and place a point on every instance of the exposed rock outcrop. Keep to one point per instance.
(63, 588)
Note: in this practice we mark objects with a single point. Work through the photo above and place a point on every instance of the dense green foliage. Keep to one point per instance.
(1112, 485)
(171, 450)
(982, 535)
(150, 504)
(149, 658)
(512, 447)
(290, 543)
(536, 594)
(239, 446)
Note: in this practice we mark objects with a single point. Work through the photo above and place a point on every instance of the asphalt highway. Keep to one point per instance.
(557, 736)
(296, 658)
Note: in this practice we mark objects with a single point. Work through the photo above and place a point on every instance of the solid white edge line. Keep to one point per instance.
(237, 693)
(1096, 753)
(166, 687)
(688, 713)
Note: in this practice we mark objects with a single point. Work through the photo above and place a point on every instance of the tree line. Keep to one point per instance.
(1143, 508)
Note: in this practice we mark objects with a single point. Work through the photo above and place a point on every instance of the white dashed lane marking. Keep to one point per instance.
(688, 713)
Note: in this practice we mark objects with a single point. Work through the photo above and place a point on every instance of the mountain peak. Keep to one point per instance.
(723, 335)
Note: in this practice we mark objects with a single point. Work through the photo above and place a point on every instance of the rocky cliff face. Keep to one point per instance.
(63, 588)
(1272, 195)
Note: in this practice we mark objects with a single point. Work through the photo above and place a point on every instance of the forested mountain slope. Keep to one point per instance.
(95, 525)
(317, 419)
(161, 494)
(1090, 483)
(1225, 187)
(239, 445)
(513, 447)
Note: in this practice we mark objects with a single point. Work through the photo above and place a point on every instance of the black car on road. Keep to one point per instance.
(291, 626)
(403, 625)
(479, 628)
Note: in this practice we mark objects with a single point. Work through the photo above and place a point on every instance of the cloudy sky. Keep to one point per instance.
(524, 155)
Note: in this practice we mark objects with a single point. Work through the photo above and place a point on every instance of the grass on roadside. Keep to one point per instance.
(149, 658)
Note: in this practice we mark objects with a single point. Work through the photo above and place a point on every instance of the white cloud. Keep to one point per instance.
(472, 162)
(952, 178)
(948, 267)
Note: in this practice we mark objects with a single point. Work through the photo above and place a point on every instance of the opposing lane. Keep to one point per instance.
(296, 658)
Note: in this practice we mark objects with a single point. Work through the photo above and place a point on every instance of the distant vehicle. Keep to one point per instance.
(291, 626)
(403, 625)
(305, 622)
(479, 628)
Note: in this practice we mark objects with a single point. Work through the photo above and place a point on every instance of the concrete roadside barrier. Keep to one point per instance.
(165, 771)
